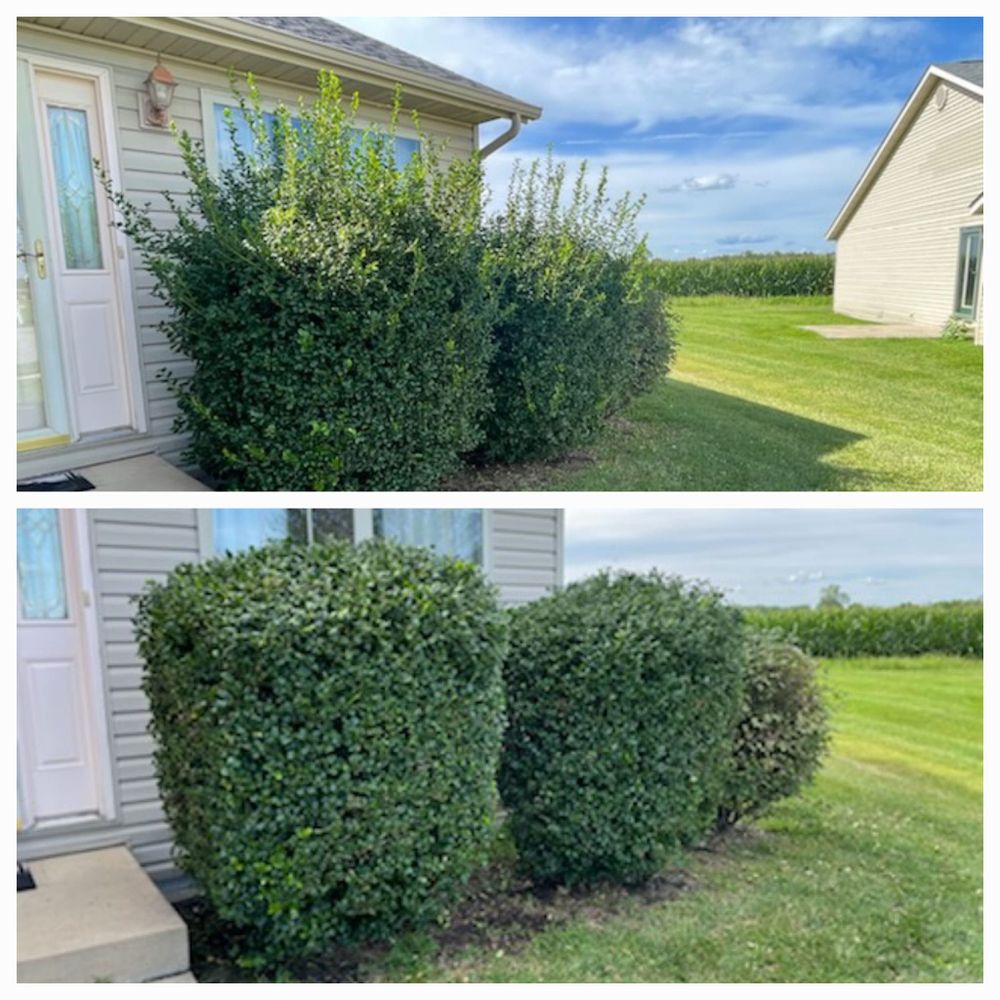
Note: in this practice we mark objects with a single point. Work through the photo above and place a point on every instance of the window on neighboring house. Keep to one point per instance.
(970, 249)
(451, 532)
(244, 139)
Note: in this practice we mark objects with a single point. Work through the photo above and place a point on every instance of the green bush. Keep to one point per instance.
(783, 729)
(750, 274)
(582, 325)
(328, 722)
(622, 692)
(954, 627)
(331, 303)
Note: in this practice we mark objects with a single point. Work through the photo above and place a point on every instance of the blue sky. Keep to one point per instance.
(782, 557)
(743, 133)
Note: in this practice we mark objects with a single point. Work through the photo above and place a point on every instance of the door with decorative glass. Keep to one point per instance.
(58, 728)
(74, 372)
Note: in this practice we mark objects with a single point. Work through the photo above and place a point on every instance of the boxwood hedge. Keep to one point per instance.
(783, 727)
(582, 325)
(330, 301)
(622, 694)
(328, 722)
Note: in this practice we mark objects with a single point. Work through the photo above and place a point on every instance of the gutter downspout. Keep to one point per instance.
(504, 137)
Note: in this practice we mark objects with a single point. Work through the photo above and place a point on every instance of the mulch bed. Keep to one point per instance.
(501, 911)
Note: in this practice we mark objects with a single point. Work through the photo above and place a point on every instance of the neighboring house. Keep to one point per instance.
(88, 346)
(910, 236)
(85, 758)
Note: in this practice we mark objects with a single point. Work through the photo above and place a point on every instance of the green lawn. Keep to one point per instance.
(875, 874)
(755, 403)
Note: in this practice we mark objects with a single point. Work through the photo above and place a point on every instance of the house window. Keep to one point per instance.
(970, 253)
(456, 533)
(404, 147)
(238, 530)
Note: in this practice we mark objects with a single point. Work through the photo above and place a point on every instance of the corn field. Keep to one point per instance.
(752, 274)
(953, 627)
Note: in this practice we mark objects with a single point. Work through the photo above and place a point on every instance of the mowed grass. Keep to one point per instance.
(874, 874)
(756, 403)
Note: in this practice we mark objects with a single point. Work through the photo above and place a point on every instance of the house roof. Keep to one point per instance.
(345, 39)
(967, 69)
(966, 74)
(291, 50)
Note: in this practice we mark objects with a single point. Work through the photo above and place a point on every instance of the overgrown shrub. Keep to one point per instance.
(582, 325)
(783, 728)
(330, 300)
(328, 722)
(622, 693)
(749, 274)
(954, 627)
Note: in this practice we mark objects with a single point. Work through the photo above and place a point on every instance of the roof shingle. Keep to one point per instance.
(967, 69)
(337, 36)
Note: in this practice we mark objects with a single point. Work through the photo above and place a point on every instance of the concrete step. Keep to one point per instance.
(97, 917)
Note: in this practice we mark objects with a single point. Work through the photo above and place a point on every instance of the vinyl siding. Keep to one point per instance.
(897, 258)
(130, 547)
(150, 165)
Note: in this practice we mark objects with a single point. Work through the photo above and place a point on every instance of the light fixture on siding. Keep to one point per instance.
(160, 87)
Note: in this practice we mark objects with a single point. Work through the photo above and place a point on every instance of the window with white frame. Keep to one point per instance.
(227, 131)
(451, 532)
(458, 533)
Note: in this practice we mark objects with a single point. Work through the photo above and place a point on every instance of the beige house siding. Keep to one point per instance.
(897, 257)
(522, 555)
(150, 164)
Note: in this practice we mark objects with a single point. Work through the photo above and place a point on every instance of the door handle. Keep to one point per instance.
(39, 256)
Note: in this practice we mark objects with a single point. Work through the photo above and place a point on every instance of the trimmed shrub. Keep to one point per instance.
(950, 627)
(328, 722)
(749, 274)
(582, 325)
(622, 694)
(783, 729)
(330, 300)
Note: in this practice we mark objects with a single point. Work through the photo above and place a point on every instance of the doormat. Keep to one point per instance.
(60, 482)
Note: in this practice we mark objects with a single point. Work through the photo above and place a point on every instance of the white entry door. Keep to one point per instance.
(70, 249)
(58, 719)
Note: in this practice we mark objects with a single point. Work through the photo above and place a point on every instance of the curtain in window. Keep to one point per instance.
(74, 175)
(450, 532)
(236, 530)
(40, 576)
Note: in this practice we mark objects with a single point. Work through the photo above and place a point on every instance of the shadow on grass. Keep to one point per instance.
(684, 437)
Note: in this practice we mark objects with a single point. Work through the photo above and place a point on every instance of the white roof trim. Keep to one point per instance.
(927, 83)
(976, 208)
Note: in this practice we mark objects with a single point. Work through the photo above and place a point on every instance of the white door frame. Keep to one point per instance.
(101, 77)
(80, 586)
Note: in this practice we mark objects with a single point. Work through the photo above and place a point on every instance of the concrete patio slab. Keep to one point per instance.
(877, 331)
(96, 916)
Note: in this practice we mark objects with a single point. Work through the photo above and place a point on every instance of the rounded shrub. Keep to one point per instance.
(622, 691)
(783, 729)
(582, 324)
(329, 299)
(328, 722)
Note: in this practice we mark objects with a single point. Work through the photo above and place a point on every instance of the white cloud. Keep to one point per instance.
(712, 182)
(782, 67)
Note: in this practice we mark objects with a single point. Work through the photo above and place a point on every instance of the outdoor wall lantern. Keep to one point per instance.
(160, 87)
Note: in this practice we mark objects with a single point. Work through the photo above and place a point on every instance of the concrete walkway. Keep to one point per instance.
(877, 331)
